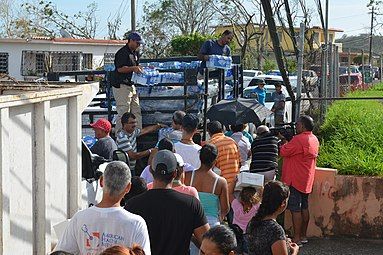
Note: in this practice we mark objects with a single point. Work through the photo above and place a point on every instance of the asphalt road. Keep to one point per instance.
(342, 246)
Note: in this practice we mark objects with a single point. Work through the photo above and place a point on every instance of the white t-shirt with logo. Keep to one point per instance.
(189, 153)
(94, 229)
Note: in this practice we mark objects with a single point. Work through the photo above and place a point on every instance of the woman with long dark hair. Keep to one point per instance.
(219, 240)
(265, 235)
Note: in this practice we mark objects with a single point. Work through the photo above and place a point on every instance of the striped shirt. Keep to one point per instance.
(228, 160)
(264, 154)
(128, 142)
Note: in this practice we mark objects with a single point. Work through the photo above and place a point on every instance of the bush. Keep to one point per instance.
(269, 65)
(188, 45)
(351, 135)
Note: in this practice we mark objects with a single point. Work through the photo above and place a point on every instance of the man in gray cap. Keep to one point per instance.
(126, 62)
(264, 153)
(172, 217)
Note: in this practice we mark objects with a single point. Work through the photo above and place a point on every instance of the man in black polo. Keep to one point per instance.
(126, 62)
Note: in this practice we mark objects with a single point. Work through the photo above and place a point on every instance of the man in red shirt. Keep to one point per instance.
(298, 171)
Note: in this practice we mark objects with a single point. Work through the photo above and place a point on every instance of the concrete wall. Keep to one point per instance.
(342, 205)
(40, 164)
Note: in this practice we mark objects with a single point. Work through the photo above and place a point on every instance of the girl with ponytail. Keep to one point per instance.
(265, 235)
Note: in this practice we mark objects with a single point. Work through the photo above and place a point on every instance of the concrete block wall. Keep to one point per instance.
(344, 205)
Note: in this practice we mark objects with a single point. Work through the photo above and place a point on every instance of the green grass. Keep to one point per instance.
(352, 135)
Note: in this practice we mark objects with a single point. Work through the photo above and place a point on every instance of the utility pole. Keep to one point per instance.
(301, 46)
(133, 14)
(363, 68)
(326, 57)
(372, 26)
(278, 51)
(349, 70)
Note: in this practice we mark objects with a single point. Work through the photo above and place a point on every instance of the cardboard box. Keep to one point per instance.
(246, 179)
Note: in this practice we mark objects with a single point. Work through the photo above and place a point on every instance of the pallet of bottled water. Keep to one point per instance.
(218, 61)
(147, 77)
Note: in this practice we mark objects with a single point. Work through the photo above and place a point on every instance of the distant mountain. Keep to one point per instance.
(362, 42)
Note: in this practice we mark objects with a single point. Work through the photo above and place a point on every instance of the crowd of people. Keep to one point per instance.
(185, 200)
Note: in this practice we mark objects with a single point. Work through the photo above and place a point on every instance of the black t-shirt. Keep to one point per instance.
(104, 147)
(125, 57)
(263, 236)
(171, 218)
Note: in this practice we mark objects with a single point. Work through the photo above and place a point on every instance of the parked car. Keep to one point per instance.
(270, 88)
(368, 73)
(309, 79)
(274, 72)
(248, 75)
(270, 81)
(344, 70)
(355, 78)
(317, 69)
(376, 72)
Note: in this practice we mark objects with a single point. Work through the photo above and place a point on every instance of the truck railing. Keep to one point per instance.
(190, 79)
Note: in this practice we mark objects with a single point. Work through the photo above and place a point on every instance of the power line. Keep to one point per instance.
(350, 16)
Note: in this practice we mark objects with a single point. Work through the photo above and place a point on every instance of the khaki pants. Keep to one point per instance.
(127, 101)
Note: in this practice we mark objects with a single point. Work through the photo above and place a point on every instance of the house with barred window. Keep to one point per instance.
(31, 58)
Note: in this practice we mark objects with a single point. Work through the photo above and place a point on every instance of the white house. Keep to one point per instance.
(21, 58)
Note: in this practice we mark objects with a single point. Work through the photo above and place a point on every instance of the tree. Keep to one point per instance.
(155, 30)
(189, 16)
(51, 20)
(248, 23)
(287, 15)
(188, 45)
(6, 12)
(278, 51)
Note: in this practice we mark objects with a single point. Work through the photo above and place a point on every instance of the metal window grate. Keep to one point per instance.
(87, 61)
(4, 62)
(40, 65)
(108, 58)
(65, 61)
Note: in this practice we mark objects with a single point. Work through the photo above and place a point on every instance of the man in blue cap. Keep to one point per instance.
(126, 62)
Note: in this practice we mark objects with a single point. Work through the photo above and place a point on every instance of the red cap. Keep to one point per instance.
(102, 124)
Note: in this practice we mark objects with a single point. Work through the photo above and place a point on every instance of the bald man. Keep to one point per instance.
(264, 152)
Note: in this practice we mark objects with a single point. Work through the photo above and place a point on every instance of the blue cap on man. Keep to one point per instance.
(135, 36)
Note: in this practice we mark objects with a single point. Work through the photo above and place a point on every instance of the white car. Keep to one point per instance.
(249, 93)
(248, 75)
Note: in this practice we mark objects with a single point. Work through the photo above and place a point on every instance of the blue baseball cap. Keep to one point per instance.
(135, 36)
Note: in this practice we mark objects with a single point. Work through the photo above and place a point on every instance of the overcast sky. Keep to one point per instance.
(348, 15)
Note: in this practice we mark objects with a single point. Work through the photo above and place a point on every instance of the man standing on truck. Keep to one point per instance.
(126, 62)
(215, 47)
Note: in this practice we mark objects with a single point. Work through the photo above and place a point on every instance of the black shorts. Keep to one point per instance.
(298, 201)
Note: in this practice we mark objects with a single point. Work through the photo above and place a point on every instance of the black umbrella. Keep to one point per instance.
(238, 111)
